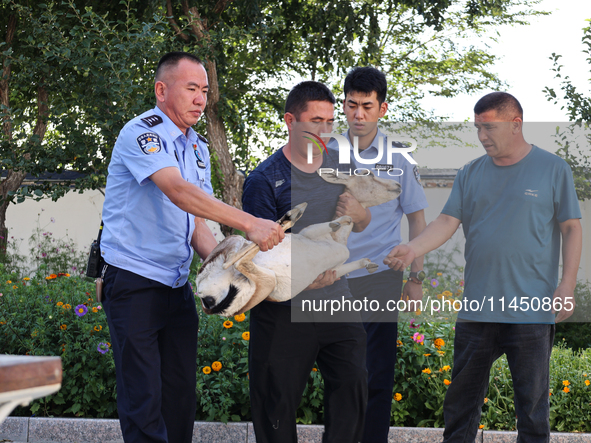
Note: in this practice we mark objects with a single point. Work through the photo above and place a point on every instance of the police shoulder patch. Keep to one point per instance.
(149, 143)
(417, 175)
(152, 120)
(203, 139)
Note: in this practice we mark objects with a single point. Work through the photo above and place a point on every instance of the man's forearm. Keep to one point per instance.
(572, 246)
(190, 198)
(416, 225)
(435, 234)
(203, 241)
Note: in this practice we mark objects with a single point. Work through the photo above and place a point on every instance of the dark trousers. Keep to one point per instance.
(154, 340)
(381, 329)
(476, 347)
(281, 357)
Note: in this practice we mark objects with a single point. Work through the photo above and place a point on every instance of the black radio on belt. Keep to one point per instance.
(95, 259)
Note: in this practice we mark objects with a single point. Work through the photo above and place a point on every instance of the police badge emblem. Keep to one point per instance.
(149, 143)
(200, 163)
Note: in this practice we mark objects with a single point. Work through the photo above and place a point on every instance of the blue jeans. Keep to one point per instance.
(476, 347)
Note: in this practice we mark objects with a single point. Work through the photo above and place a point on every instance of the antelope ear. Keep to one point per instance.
(330, 175)
(233, 256)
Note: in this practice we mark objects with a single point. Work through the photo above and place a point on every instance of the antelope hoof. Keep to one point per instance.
(371, 267)
(296, 212)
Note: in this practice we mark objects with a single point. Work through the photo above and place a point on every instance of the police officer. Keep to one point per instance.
(157, 196)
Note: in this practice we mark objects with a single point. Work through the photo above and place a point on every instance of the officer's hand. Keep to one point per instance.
(348, 205)
(400, 257)
(265, 233)
(325, 279)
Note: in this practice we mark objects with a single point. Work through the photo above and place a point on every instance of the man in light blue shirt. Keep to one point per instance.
(516, 204)
(365, 103)
(157, 196)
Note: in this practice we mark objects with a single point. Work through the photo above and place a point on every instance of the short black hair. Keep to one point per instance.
(502, 102)
(367, 80)
(172, 59)
(304, 92)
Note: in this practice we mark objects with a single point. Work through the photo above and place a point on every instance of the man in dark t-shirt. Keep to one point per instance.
(282, 352)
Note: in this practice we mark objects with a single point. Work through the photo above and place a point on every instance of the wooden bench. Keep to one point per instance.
(26, 378)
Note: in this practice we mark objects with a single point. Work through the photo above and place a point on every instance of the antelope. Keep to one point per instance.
(236, 276)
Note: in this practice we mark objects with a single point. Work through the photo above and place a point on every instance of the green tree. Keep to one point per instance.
(71, 79)
(578, 109)
(74, 72)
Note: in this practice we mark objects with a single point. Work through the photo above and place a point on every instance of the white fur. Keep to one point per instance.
(313, 251)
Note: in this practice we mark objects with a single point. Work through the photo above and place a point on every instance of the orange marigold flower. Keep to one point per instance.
(426, 355)
(398, 343)
(228, 324)
(216, 366)
(587, 382)
(397, 396)
(246, 335)
(59, 303)
(52, 276)
(314, 370)
(98, 328)
(14, 287)
(446, 382)
(486, 399)
(566, 382)
(566, 389)
(240, 317)
(207, 370)
(95, 310)
(63, 327)
(439, 343)
(481, 427)
(445, 368)
(426, 371)
(67, 306)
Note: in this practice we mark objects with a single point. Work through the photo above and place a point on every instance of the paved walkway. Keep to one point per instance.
(78, 430)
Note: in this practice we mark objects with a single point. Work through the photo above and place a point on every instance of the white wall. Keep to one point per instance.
(80, 215)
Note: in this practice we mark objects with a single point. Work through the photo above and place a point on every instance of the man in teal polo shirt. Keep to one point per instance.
(515, 203)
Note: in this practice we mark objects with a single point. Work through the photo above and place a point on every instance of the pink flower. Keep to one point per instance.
(418, 337)
(412, 324)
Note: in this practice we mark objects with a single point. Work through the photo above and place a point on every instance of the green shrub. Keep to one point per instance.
(38, 317)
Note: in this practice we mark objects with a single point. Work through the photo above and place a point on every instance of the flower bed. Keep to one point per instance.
(58, 316)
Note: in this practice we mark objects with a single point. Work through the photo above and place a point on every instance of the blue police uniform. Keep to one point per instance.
(375, 242)
(150, 306)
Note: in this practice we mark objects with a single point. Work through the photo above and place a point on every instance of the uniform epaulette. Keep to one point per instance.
(203, 139)
(152, 120)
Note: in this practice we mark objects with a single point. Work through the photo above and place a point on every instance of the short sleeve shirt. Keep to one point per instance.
(510, 217)
(144, 232)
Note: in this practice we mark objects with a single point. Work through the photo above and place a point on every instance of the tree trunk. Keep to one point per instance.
(12, 178)
(232, 187)
(218, 142)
